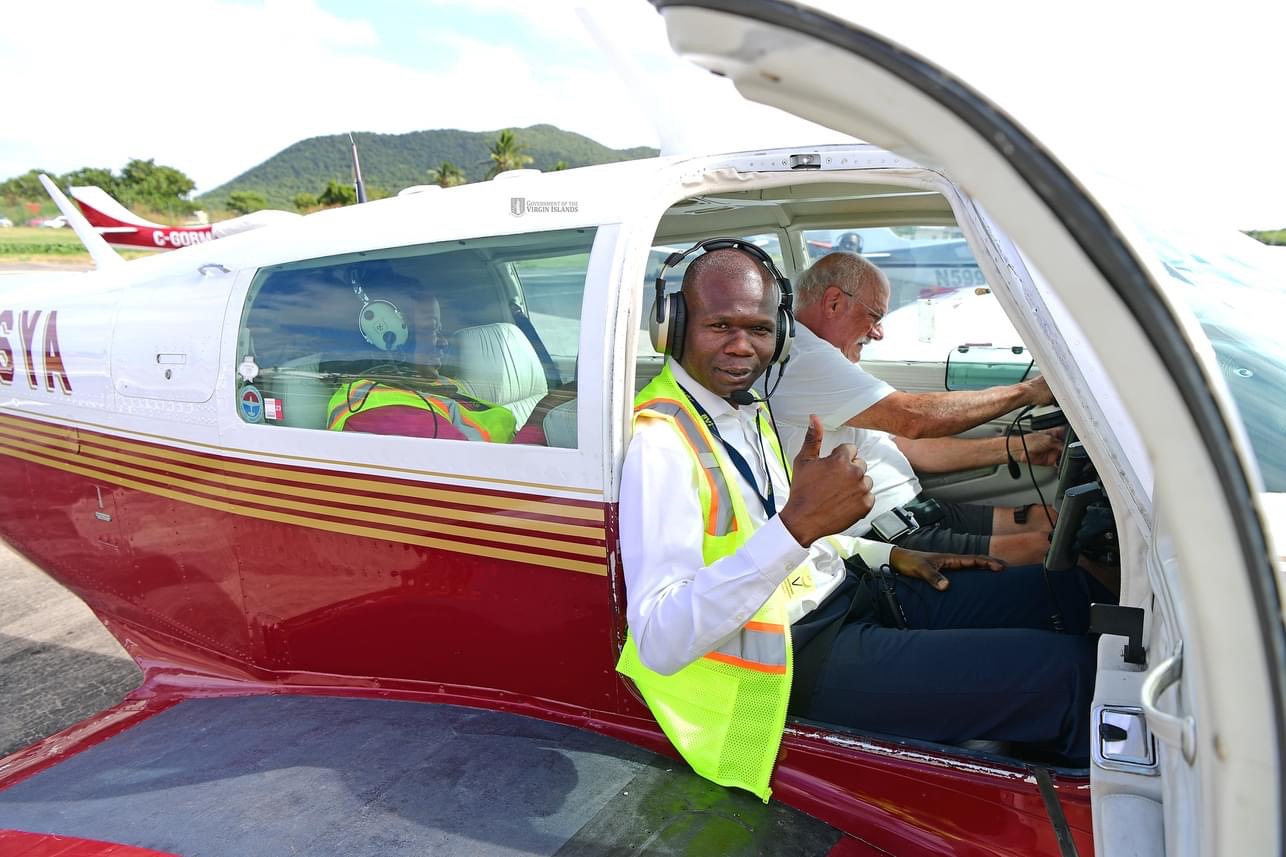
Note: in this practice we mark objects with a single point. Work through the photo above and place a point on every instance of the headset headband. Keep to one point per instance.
(668, 324)
(709, 245)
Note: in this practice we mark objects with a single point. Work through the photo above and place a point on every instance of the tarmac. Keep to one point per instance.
(58, 664)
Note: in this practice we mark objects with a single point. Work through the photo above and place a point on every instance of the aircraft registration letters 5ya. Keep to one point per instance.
(27, 327)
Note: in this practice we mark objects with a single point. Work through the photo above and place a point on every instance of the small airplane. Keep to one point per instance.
(404, 638)
(122, 227)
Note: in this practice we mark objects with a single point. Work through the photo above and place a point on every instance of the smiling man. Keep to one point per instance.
(740, 601)
(841, 302)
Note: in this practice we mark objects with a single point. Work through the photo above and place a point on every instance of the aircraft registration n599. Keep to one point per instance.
(340, 629)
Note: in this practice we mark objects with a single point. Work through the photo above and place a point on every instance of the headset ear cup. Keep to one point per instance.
(658, 325)
(785, 334)
(678, 327)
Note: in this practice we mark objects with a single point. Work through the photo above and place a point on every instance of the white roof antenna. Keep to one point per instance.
(669, 128)
(103, 254)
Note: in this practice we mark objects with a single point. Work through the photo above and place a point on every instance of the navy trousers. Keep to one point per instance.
(979, 661)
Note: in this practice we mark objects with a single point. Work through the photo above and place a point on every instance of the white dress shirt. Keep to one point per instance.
(679, 607)
(820, 380)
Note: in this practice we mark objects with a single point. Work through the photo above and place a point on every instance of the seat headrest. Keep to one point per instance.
(560, 425)
(498, 364)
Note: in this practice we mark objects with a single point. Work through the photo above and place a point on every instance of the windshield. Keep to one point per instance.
(1237, 290)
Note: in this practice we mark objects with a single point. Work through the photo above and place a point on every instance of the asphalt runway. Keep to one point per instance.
(58, 664)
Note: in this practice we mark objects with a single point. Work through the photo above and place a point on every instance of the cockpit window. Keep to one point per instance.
(940, 305)
(464, 340)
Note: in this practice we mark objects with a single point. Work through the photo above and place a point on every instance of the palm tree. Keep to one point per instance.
(447, 174)
(560, 166)
(507, 154)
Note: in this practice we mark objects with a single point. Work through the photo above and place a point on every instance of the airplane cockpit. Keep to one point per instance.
(945, 330)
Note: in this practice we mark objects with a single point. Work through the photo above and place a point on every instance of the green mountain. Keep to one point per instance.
(391, 162)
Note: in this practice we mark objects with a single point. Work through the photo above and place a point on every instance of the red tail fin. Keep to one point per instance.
(103, 211)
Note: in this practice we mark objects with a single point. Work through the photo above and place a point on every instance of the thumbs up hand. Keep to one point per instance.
(827, 495)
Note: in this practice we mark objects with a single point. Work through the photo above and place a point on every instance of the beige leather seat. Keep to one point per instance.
(560, 425)
(496, 363)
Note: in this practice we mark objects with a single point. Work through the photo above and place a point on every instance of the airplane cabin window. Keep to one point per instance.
(464, 340)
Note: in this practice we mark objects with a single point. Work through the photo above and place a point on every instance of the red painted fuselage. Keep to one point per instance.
(222, 574)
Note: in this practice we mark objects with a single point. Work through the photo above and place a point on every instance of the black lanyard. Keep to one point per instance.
(739, 460)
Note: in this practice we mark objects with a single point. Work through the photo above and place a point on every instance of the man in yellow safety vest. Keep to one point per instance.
(740, 603)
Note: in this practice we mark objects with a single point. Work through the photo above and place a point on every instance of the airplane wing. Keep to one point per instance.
(290, 774)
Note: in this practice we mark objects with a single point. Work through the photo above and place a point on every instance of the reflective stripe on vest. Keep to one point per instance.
(726, 711)
(719, 519)
(496, 423)
(354, 398)
(757, 646)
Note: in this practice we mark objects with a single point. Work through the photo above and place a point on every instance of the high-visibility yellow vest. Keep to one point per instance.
(726, 711)
(494, 423)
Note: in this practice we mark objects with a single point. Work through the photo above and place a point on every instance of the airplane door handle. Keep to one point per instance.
(1178, 732)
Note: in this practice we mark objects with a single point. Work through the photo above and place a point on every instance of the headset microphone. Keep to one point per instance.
(743, 397)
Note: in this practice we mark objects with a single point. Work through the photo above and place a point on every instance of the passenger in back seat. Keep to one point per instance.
(409, 396)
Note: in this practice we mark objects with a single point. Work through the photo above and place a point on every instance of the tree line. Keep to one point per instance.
(141, 184)
(161, 190)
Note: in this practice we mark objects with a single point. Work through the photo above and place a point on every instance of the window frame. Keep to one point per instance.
(548, 471)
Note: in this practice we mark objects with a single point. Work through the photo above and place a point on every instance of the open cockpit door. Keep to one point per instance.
(1196, 560)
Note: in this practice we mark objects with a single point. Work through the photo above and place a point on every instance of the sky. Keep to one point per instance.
(1175, 96)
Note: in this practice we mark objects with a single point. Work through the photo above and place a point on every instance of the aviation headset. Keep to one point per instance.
(380, 322)
(667, 326)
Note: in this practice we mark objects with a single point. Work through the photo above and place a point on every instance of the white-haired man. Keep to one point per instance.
(840, 303)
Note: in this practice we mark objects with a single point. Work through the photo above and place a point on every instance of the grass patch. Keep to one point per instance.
(33, 244)
(25, 241)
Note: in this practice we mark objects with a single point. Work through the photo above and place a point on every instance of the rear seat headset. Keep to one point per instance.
(667, 325)
(381, 323)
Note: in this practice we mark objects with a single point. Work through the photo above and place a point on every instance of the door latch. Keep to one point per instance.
(1122, 740)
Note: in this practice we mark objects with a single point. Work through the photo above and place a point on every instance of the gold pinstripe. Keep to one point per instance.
(66, 459)
(465, 497)
(596, 551)
(295, 491)
(165, 439)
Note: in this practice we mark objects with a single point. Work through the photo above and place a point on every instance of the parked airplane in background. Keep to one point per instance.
(122, 227)
(375, 636)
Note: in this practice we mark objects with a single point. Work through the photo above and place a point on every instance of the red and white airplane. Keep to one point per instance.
(122, 227)
(402, 643)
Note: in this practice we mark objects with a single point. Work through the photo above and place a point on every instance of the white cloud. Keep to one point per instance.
(1171, 92)
(215, 87)
(223, 86)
